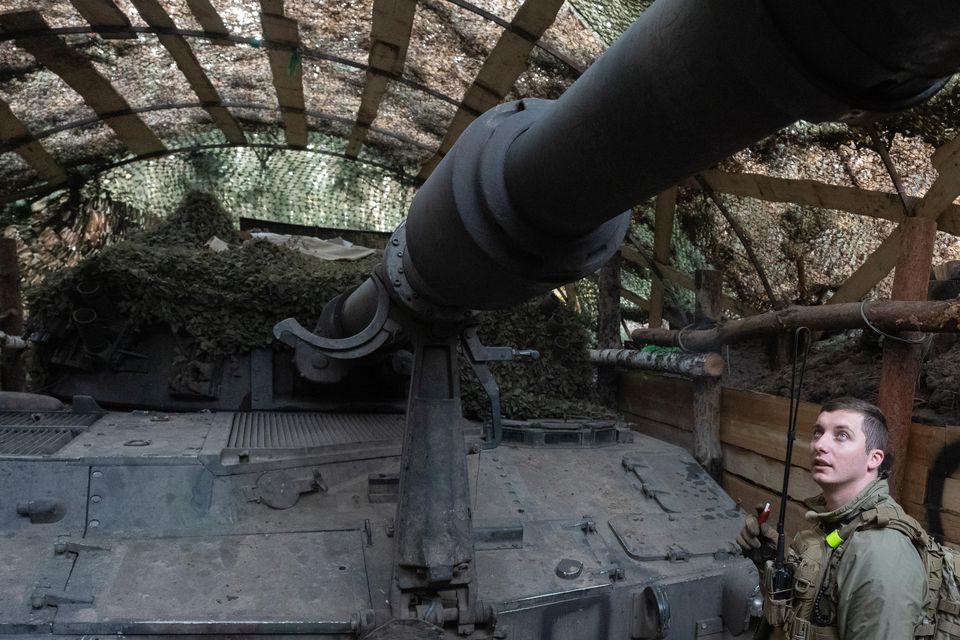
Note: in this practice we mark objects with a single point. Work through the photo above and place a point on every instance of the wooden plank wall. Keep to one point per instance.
(753, 433)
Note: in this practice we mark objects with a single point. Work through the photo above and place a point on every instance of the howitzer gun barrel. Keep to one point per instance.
(693, 82)
(533, 193)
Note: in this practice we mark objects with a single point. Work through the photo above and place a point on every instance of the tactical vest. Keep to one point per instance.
(810, 614)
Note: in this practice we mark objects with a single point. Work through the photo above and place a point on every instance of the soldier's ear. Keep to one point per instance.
(874, 459)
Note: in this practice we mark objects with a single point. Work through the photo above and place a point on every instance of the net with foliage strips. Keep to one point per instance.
(227, 302)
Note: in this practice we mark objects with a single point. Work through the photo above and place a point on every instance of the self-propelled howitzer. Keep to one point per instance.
(537, 193)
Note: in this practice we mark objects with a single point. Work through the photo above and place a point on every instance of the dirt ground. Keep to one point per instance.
(849, 364)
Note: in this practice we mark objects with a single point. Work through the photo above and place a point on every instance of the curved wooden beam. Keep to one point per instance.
(507, 60)
(14, 134)
(178, 48)
(389, 39)
(307, 53)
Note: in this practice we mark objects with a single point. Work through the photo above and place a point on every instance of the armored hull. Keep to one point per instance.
(252, 523)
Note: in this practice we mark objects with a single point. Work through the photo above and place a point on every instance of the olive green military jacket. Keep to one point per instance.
(879, 582)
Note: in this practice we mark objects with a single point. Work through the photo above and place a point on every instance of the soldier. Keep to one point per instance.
(849, 582)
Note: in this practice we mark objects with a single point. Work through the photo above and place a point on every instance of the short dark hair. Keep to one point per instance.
(874, 425)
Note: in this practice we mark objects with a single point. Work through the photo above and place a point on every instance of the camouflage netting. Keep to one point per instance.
(279, 185)
(447, 48)
(109, 194)
(228, 301)
(610, 18)
(806, 252)
(560, 384)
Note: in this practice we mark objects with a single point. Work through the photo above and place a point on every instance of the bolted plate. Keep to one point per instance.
(676, 482)
(215, 584)
(661, 536)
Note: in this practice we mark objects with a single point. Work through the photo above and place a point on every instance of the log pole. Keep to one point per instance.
(12, 373)
(687, 364)
(901, 360)
(706, 390)
(887, 315)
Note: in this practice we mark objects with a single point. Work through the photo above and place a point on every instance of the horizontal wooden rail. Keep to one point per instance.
(862, 202)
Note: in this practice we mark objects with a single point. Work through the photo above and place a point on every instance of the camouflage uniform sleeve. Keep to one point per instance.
(880, 585)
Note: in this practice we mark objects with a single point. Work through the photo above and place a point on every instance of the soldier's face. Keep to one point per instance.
(838, 454)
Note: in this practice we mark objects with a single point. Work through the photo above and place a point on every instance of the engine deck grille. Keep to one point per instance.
(47, 419)
(40, 433)
(33, 441)
(558, 433)
(291, 431)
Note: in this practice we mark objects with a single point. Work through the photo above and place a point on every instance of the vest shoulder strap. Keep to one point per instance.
(893, 516)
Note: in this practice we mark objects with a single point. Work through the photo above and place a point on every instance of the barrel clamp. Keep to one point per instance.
(381, 329)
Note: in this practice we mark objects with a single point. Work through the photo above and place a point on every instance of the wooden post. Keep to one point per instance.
(706, 390)
(901, 361)
(608, 325)
(779, 350)
(608, 305)
(662, 231)
(12, 375)
(708, 284)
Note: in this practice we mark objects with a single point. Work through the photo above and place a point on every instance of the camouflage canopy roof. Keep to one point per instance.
(87, 85)
(233, 90)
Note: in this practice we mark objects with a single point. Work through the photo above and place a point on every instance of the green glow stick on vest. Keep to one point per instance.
(834, 539)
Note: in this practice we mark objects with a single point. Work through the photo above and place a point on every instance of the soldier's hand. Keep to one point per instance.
(758, 541)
